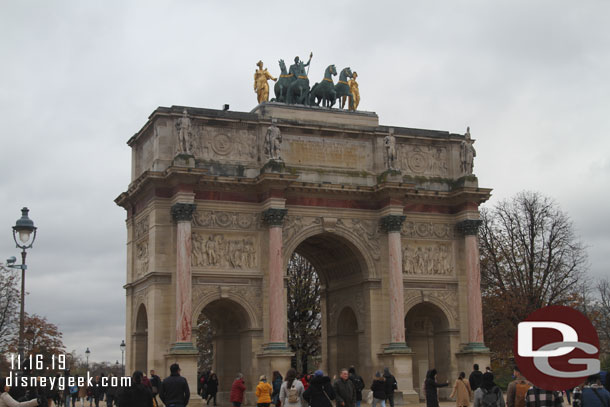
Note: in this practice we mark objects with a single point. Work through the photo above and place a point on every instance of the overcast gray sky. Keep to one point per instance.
(78, 78)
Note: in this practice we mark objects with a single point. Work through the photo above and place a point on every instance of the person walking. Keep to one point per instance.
(7, 401)
(212, 388)
(358, 384)
(378, 389)
(475, 377)
(461, 391)
(431, 388)
(489, 394)
(237, 390)
(174, 389)
(263, 392)
(517, 390)
(111, 392)
(277, 385)
(390, 385)
(291, 391)
(345, 392)
(136, 395)
(320, 392)
(594, 394)
(155, 383)
(537, 397)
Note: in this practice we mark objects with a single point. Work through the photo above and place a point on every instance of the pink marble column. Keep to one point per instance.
(277, 304)
(182, 214)
(392, 224)
(470, 229)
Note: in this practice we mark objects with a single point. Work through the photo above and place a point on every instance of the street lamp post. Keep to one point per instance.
(25, 229)
(123, 346)
(87, 352)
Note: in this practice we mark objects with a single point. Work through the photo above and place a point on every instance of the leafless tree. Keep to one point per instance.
(602, 320)
(530, 258)
(304, 318)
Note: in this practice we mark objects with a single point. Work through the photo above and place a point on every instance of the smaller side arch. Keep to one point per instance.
(252, 319)
(413, 301)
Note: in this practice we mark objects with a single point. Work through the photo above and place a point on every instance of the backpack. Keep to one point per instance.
(293, 394)
(521, 389)
(490, 398)
(358, 384)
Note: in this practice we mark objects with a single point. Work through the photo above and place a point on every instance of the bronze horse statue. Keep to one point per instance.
(283, 83)
(324, 91)
(342, 87)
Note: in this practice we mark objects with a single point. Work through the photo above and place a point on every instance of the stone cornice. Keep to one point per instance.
(274, 217)
(183, 212)
(469, 227)
(392, 223)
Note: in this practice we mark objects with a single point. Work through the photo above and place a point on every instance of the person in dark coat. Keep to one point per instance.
(174, 388)
(277, 385)
(137, 395)
(320, 391)
(390, 385)
(431, 387)
(475, 378)
(345, 392)
(212, 388)
(358, 384)
(111, 392)
(378, 389)
(155, 383)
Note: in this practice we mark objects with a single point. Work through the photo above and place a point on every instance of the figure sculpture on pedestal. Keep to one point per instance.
(273, 142)
(467, 153)
(183, 125)
(389, 142)
(261, 76)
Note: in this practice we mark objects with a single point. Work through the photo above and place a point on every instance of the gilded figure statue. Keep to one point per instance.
(353, 87)
(261, 76)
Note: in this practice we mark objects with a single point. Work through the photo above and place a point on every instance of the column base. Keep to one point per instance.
(471, 353)
(183, 348)
(276, 347)
(476, 347)
(397, 347)
(274, 358)
(185, 355)
(399, 359)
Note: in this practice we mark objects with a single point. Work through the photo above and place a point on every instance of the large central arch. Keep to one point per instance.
(342, 270)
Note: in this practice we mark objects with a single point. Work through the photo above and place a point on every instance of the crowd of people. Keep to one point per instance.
(305, 390)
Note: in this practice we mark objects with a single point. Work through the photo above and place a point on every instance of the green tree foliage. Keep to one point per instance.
(530, 258)
(304, 317)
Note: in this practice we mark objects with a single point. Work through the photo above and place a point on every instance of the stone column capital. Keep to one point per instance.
(274, 216)
(183, 211)
(392, 223)
(469, 227)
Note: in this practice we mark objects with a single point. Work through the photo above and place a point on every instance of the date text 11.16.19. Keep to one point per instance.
(37, 362)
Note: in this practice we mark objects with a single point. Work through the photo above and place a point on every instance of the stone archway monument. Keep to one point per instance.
(219, 200)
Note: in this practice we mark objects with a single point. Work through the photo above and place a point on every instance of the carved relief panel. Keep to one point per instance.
(430, 259)
(210, 143)
(141, 263)
(141, 252)
(211, 219)
(294, 224)
(423, 160)
(366, 229)
(220, 251)
(427, 230)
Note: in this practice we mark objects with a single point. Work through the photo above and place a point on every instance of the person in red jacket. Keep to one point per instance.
(237, 390)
